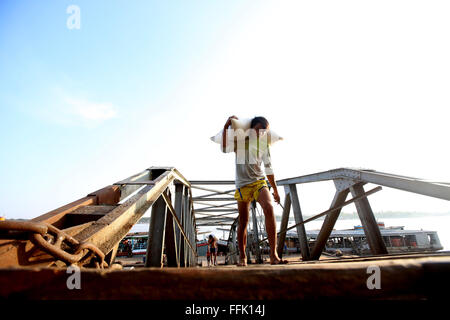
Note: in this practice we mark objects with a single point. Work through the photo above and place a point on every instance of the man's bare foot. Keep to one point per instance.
(242, 262)
(278, 261)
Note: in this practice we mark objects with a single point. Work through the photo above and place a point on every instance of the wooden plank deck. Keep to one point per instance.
(407, 277)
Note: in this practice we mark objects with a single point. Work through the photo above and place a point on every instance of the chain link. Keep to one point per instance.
(56, 242)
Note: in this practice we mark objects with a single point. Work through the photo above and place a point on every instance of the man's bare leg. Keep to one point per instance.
(243, 208)
(265, 200)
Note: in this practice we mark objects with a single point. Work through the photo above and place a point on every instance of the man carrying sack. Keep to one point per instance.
(252, 149)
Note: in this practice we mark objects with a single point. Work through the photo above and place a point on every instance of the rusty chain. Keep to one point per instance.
(56, 242)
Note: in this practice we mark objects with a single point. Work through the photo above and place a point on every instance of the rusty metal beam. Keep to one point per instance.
(213, 191)
(187, 220)
(304, 247)
(214, 199)
(170, 242)
(183, 232)
(440, 190)
(156, 233)
(328, 224)
(368, 221)
(258, 256)
(107, 220)
(106, 231)
(284, 221)
(179, 188)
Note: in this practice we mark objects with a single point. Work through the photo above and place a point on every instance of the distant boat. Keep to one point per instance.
(133, 244)
(348, 241)
(353, 241)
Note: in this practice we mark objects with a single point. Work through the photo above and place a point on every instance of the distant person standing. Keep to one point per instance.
(208, 255)
(128, 248)
(212, 246)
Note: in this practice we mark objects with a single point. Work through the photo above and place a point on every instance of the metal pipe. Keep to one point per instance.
(172, 211)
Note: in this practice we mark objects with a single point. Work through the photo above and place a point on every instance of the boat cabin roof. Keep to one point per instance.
(360, 233)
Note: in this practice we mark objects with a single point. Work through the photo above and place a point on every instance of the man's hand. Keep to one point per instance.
(276, 196)
(224, 133)
(229, 121)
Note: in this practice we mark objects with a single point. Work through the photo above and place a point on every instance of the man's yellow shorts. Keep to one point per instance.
(251, 191)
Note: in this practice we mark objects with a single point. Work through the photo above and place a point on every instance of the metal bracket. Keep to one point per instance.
(349, 173)
(342, 184)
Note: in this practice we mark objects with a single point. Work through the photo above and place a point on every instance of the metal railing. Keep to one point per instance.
(346, 180)
(103, 218)
(352, 181)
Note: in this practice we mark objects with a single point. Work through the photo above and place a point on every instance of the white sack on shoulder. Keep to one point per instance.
(272, 136)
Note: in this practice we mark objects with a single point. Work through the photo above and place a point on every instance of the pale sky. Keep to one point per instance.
(361, 84)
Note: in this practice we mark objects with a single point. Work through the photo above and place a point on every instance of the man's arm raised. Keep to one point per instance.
(224, 134)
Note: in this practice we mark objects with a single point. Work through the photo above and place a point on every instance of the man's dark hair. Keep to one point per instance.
(263, 121)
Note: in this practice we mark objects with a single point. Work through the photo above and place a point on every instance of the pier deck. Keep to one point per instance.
(402, 277)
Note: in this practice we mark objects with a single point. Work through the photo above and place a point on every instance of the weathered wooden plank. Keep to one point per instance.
(404, 279)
